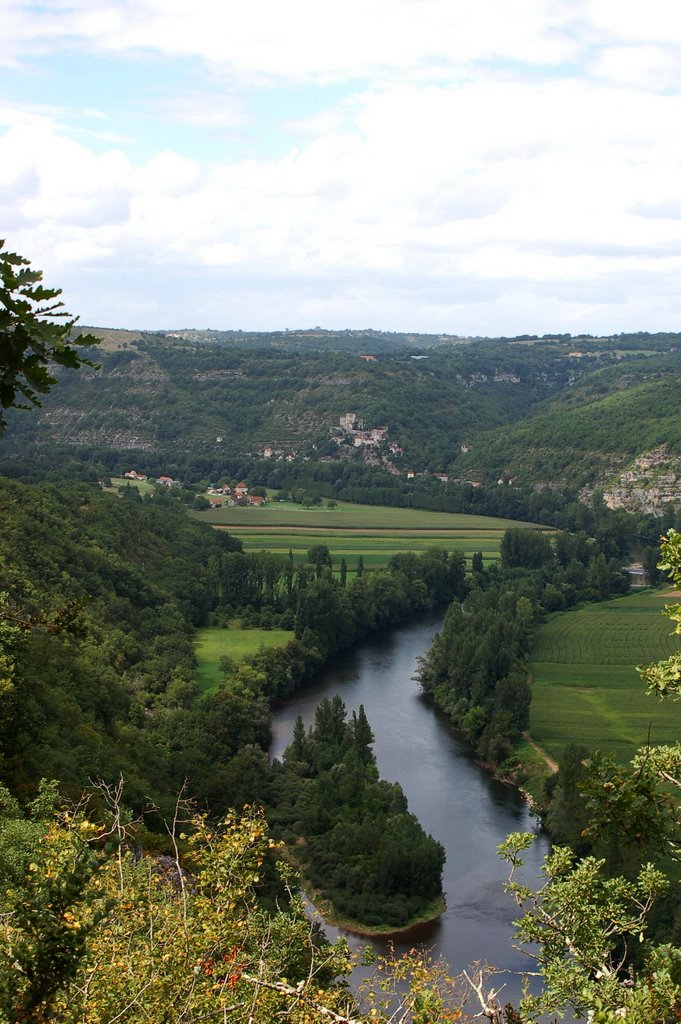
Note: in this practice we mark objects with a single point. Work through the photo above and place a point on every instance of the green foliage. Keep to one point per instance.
(319, 555)
(525, 549)
(476, 670)
(35, 332)
(578, 919)
(97, 653)
(628, 807)
(94, 932)
(664, 678)
(351, 833)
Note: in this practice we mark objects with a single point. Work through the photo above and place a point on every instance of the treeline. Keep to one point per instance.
(476, 669)
(350, 832)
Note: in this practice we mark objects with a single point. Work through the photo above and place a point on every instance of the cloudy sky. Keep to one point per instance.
(465, 166)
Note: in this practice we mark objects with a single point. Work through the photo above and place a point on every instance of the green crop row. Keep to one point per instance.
(585, 687)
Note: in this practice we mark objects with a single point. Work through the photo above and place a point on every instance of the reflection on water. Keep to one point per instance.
(452, 796)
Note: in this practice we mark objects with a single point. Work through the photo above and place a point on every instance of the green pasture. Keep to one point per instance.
(143, 486)
(215, 642)
(585, 687)
(348, 515)
(374, 532)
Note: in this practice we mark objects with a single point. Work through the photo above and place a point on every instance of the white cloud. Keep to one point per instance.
(657, 68)
(490, 182)
(214, 111)
(654, 21)
(303, 38)
(468, 176)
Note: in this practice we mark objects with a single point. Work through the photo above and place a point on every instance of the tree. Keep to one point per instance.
(35, 331)
(319, 556)
(94, 933)
(525, 548)
(664, 677)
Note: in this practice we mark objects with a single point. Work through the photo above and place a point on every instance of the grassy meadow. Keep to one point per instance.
(585, 686)
(215, 642)
(143, 486)
(375, 532)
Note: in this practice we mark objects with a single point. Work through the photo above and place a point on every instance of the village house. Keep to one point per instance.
(241, 490)
(256, 499)
(167, 481)
(132, 474)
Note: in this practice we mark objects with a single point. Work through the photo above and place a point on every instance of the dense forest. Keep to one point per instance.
(363, 851)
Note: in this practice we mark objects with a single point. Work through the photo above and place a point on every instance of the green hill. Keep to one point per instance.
(537, 412)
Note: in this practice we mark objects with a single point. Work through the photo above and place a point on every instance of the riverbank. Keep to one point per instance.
(529, 774)
(325, 910)
(457, 801)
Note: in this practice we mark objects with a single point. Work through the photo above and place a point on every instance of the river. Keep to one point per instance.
(455, 799)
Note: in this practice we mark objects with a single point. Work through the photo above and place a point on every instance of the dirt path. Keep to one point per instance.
(542, 753)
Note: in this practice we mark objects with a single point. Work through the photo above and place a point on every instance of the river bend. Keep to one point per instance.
(455, 799)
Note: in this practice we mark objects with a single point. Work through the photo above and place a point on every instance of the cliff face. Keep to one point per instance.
(651, 481)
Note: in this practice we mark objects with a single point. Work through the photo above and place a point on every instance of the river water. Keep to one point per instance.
(455, 799)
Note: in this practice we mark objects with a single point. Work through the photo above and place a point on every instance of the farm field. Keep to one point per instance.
(214, 642)
(585, 686)
(374, 532)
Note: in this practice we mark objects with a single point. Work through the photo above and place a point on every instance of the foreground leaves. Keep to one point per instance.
(94, 934)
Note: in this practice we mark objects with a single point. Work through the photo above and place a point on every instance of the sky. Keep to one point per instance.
(470, 167)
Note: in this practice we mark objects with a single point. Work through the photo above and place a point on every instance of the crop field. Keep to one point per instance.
(374, 532)
(585, 686)
(215, 642)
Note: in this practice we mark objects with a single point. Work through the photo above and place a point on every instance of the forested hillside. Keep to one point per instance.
(100, 598)
(535, 412)
(591, 434)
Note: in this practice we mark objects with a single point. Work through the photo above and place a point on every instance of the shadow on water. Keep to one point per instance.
(453, 797)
